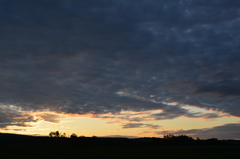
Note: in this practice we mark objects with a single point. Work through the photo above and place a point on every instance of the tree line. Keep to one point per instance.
(64, 135)
(169, 137)
(167, 140)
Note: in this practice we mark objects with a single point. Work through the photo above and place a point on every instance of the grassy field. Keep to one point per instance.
(64, 152)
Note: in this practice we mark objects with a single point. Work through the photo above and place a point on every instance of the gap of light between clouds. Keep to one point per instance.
(133, 123)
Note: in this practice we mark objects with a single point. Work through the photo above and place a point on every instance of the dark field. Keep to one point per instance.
(29, 147)
(69, 152)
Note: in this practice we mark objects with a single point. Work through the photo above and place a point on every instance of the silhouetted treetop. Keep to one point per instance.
(73, 135)
(54, 134)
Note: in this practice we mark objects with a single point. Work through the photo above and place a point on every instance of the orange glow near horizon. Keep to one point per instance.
(111, 124)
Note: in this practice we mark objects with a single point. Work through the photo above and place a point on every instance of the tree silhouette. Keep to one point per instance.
(54, 134)
(73, 135)
(179, 140)
(57, 134)
(64, 135)
(168, 136)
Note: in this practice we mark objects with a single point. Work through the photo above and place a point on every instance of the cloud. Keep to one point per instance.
(49, 117)
(211, 115)
(11, 116)
(227, 131)
(16, 129)
(221, 88)
(76, 56)
(140, 125)
(132, 125)
(165, 113)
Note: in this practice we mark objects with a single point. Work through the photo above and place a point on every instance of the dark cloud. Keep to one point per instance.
(10, 116)
(175, 112)
(221, 88)
(77, 56)
(16, 129)
(228, 131)
(171, 113)
(140, 125)
(132, 125)
(49, 117)
(207, 115)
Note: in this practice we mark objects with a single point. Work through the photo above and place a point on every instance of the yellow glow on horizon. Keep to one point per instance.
(111, 124)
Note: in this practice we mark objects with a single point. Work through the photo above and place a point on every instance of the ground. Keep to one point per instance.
(117, 152)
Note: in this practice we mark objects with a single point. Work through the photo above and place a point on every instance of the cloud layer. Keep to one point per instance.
(221, 132)
(108, 56)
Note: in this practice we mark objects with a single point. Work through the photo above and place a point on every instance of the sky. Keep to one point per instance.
(133, 68)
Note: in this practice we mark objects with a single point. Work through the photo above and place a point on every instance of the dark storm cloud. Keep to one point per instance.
(76, 56)
(228, 131)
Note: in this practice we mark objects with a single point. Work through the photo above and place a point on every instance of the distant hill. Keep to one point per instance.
(13, 135)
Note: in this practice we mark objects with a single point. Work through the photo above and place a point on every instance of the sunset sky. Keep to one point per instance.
(133, 68)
